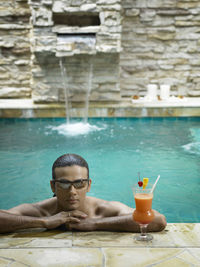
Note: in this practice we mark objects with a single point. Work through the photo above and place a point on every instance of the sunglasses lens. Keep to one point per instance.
(79, 185)
(64, 186)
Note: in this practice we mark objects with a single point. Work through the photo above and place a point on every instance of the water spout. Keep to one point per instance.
(90, 77)
(66, 90)
(76, 128)
(67, 94)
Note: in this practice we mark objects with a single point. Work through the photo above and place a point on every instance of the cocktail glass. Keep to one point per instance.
(143, 214)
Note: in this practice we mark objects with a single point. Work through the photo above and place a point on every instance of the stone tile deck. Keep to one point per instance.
(178, 245)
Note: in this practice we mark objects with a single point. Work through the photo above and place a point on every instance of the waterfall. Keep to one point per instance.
(78, 128)
(66, 90)
(90, 77)
(67, 94)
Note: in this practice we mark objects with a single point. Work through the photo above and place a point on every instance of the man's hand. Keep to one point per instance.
(84, 225)
(63, 218)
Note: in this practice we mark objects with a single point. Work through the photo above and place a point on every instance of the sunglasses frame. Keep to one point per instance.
(67, 184)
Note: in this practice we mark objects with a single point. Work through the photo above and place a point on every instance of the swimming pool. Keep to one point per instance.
(115, 151)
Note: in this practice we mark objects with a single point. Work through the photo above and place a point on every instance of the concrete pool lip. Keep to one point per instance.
(177, 245)
(26, 108)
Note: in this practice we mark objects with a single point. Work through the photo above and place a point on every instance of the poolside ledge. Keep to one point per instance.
(178, 245)
(26, 108)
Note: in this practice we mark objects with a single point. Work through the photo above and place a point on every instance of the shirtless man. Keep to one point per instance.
(71, 207)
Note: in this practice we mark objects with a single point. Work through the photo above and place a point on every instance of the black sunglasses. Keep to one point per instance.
(78, 184)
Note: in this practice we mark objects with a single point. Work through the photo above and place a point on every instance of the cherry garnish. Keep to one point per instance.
(140, 183)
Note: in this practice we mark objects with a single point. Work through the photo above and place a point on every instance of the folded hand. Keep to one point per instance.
(64, 217)
(84, 225)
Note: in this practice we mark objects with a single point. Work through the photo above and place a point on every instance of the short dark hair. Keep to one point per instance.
(69, 160)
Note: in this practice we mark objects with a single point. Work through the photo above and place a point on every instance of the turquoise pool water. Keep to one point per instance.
(115, 153)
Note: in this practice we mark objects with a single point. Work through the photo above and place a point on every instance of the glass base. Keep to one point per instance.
(144, 237)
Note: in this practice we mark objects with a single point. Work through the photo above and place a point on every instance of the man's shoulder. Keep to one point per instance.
(108, 208)
(46, 202)
(95, 200)
(37, 209)
(47, 206)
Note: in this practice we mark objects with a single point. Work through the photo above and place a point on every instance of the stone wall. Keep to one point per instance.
(86, 36)
(15, 54)
(161, 44)
(48, 85)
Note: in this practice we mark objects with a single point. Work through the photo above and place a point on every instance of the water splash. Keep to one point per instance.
(75, 129)
(193, 147)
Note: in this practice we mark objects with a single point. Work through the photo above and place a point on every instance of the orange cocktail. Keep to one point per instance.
(143, 213)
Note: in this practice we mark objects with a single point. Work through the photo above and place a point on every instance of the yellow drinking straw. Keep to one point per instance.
(145, 182)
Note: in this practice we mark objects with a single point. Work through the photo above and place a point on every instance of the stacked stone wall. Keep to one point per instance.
(161, 44)
(48, 48)
(160, 41)
(14, 49)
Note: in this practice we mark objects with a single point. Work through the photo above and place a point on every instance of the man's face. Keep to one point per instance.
(70, 198)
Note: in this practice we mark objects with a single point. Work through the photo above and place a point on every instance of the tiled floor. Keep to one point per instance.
(177, 245)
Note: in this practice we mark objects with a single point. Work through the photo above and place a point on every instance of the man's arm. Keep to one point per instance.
(124, 223)
(21, 217)
(127, 224)
(10, 222)
(118, 217)
(29, 216)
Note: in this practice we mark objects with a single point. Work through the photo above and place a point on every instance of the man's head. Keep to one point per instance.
(69, 160)
(70, 181)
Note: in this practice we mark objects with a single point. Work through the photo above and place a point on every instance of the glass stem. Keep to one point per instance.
(143, 229)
